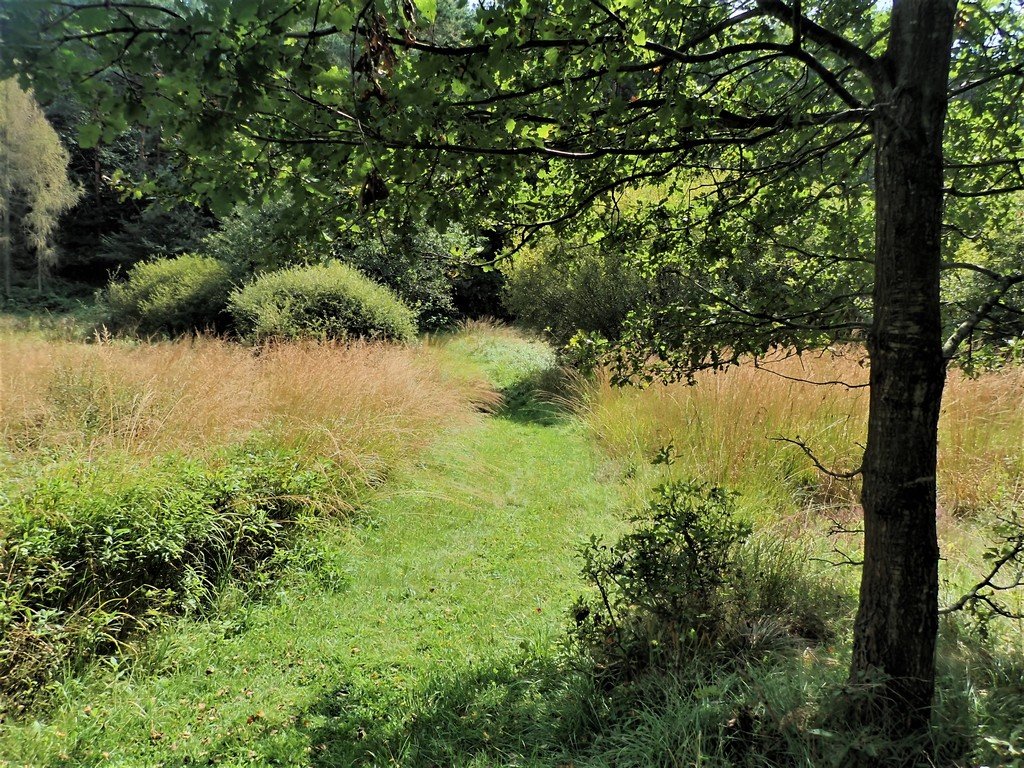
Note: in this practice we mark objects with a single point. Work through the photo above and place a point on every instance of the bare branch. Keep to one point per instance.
(847, 51)
(828, 383)
(810, 454)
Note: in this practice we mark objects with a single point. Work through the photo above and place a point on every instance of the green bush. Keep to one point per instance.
(93, 552)
(420, 264)
(175, 295)
(328, 301)
(661, 585)
(260, 238)
(691, 580)
(561, 289)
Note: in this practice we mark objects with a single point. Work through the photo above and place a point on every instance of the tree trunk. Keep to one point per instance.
(895, 631)
(5, 216)
(6, 186)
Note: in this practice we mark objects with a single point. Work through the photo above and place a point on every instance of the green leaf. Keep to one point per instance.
(428, 8)
(89, 135)
(640, 38)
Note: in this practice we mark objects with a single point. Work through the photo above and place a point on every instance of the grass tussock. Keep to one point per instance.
(724, 430)
(361, 404)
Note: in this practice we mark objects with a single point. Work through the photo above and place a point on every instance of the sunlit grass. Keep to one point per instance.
(360, 404)
(725, 429)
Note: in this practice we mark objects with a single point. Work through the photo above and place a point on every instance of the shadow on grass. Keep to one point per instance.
(541, 397)
(516, 711)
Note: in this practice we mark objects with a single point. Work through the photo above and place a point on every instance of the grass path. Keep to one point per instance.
(400, 649)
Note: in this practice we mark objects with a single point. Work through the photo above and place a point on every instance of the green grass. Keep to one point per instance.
(427, 631)
(466, 561)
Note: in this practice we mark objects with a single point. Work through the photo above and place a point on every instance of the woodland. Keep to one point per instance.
(516, 382)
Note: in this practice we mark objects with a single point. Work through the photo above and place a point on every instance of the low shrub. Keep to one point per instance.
(173, 296)
(660, 586)
(94, 552)
(691, 579)
(327, 301)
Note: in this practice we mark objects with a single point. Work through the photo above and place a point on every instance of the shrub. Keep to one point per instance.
(420, 264)
(95, 552)
(175, 295)
(561, 289)
(690, 579)
(328, 301)
(263, 237)
(660, 585)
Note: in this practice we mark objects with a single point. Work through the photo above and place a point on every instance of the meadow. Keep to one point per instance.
(368, 554)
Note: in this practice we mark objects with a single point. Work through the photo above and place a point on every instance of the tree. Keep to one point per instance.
(791, 128)
(33, 163)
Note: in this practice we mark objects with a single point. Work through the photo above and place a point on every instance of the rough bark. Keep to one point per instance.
(895, 630)
(5, 215)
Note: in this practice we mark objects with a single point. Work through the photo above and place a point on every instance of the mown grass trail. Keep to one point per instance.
(407, 645)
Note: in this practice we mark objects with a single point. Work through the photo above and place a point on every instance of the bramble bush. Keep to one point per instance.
(325, 301)
(172, 296)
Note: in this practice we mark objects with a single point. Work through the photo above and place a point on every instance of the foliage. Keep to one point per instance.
(420, 264)
(33, 164)
(478, 291)
(326, 301)
(563, 288)
(424, 267)
(662, 586)
(114, 225)
(264, 237)
(993, 281)
(157, 231)
(176, 295)
(94, 552)
(691, 580)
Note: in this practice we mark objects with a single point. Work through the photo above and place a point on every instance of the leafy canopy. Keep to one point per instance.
(752, 120)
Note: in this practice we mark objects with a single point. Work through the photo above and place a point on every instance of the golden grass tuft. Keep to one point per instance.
(360, 404)
(722, 428)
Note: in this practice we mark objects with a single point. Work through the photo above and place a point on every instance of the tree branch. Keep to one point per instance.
(810, 454)
(976, 593)
(847, 51)
(964, 330)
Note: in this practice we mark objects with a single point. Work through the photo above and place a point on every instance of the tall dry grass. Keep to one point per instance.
(722, 429)
(361, 404)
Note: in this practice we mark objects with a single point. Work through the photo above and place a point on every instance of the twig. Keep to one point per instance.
(821, 467)
(975, 595)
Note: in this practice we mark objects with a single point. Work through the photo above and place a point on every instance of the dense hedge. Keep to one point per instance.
(175, 295)
(326, 301)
